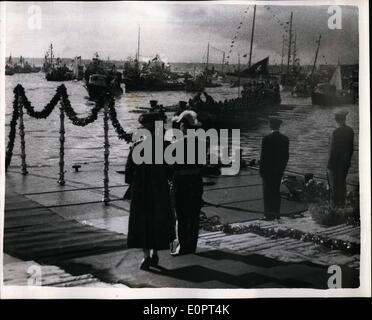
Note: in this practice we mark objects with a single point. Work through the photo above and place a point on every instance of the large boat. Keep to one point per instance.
(99, 84)
(261, 92)
(55, 69)
(152, 75)
(204, 79)
(332, 93)
(155, 75)
(101, 76)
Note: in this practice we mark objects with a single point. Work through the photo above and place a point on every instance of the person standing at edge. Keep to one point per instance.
(341, 148)
(188, 189)
(151, 222)
(274, 159)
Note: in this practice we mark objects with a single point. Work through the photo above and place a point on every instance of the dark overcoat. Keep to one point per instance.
(151, 221)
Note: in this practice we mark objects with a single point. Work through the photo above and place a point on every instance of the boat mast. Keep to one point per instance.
(316, 57)
(252, 35)
(289, 42)
(223, 61)
(239, 75)
(138, 42)
(282, 62)
(207, 57)
(51, 54)
(294, 51)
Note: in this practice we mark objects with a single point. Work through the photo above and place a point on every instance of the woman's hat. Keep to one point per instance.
(189, 116)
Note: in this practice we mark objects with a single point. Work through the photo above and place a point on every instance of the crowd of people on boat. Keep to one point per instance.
(253, 88)
(253, 91)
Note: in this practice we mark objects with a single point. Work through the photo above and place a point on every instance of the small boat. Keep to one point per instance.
(99, 84)
(331, 94)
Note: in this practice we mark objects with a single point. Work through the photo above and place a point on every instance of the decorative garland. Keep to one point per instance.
(13, 129)
(72, 115)
(213, 224)
(43, 114)
(274, 233)
(122, 135)
(60, 96)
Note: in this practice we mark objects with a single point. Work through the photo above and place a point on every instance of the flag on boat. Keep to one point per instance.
(259, 68)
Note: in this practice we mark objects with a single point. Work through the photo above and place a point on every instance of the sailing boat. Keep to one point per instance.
(257, 95)
(202, 80)
(329, 94)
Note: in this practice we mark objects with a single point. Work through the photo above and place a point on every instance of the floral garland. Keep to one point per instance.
(213, 224)
(13, 129)
(122, 135)
(274, 233)
(72, 115)
(43, 114)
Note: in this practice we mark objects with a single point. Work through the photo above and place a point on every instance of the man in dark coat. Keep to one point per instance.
(274, 158)
(188, 188)
(340, 152)
(182, 106)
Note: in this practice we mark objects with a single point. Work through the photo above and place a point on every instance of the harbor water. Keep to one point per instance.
(308, 127)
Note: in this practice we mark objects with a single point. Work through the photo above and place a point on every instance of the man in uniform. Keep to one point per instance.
(274, 158)
(340, 152)
(182, 105)
(188, 188)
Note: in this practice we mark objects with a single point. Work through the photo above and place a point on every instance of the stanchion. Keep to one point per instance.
(106, 145)
(22, 136)
(61, 179)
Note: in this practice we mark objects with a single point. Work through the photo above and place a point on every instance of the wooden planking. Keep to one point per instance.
(42, 235)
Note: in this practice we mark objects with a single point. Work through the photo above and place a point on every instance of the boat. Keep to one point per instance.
(56, 70)
(99, 84)
(205, 79)
(21, 67)
(155, 75)
(101, 76)
(234, 112)
(152, 75)
(260, 93)
(59, 72)
(332, 93)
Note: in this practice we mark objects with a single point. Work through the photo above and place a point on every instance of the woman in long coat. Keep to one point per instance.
(151, 222)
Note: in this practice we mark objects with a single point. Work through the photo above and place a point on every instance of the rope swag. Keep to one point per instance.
(13, 129)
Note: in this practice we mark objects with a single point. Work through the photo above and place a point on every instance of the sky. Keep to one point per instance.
(178, 32)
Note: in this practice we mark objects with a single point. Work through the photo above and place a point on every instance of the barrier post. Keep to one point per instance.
(106, 145)
(61, 179)
(22, 136)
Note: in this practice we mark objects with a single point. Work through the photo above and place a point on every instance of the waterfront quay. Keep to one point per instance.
(76, 240)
